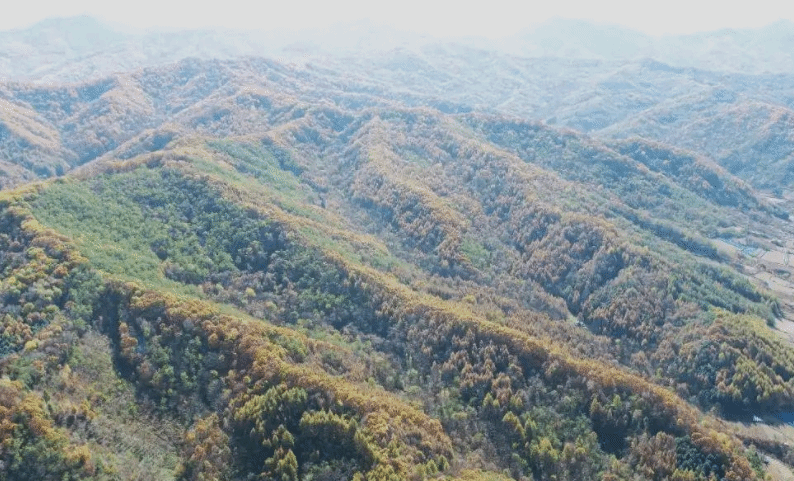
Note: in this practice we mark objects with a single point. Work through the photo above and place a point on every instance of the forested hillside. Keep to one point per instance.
(440, 263)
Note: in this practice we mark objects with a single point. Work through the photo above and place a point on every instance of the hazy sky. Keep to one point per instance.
(442, 17)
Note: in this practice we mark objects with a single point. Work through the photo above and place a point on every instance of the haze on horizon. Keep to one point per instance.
(435, 17)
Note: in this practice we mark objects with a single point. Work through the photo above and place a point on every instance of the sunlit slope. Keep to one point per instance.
(193, 360)
(300, 330)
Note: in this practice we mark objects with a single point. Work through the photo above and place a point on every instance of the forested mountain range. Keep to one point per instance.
(440, 261)
(729, 102)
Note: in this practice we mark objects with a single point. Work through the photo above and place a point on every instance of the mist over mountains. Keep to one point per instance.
(80, 48)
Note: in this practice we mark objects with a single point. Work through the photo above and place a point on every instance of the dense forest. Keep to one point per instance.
(238, 270)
